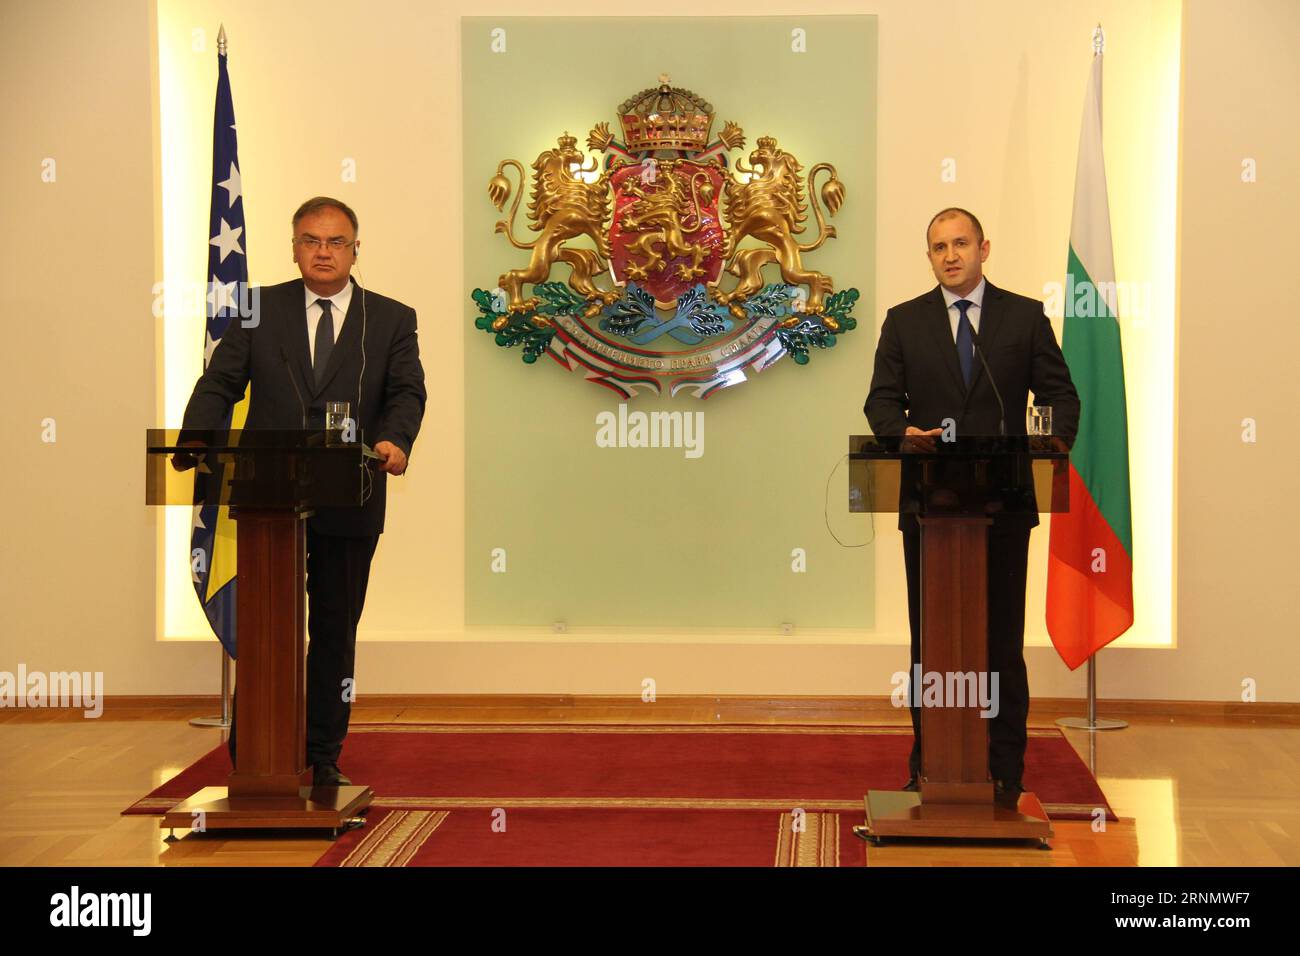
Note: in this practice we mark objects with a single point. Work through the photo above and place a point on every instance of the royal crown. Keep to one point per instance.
(665, 117)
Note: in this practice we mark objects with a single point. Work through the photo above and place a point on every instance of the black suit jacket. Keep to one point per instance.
(273, 354)
(917, 379)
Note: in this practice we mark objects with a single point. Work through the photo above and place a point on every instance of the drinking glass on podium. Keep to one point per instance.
(1038, 420)
(338, 423)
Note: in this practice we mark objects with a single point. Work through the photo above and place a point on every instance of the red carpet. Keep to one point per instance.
(661, 794)
(620, 766)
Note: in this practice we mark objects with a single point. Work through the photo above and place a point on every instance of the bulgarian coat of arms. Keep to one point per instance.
(649, 231)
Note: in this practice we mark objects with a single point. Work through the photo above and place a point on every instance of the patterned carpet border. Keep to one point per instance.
(580, 728)
(398, 837)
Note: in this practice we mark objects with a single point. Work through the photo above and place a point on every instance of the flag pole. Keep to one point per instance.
(223, 720)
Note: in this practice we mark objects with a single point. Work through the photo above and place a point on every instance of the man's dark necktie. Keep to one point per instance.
(965, 341)
(325, 340)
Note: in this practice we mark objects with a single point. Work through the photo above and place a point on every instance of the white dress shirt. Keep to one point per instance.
(976, 298)
(338, 307)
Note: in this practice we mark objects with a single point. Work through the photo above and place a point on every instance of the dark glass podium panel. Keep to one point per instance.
(996, 475)
(255, 468)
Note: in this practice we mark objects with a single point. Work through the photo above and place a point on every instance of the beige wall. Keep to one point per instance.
(1238, 524)
(77, 567)
(1003, 95)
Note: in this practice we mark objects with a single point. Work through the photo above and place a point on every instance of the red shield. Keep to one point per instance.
(665, 235)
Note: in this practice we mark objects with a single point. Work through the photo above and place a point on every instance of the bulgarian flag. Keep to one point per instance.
(1090, 561)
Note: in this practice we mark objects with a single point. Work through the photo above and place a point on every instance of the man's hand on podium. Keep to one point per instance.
(392, 458)
(914, 439)
(183, 461)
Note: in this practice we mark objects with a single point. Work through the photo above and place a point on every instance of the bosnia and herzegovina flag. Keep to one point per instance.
(1090, 562)
(213, 535)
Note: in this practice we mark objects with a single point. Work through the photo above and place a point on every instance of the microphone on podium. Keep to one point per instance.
(284, 356)
(1002, 409)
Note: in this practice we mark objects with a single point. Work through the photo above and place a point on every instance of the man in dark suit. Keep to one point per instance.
(313, 340)
(927, 372)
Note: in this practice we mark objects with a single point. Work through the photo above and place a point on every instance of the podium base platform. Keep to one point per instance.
(898, 813)
(212, 808)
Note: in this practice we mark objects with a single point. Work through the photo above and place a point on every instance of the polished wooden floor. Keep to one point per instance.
(1199, 788)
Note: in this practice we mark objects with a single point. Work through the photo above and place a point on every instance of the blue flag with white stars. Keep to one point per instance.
(212, 539)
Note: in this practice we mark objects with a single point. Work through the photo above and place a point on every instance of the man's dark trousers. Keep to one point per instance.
(338, 571)
(1008, 561)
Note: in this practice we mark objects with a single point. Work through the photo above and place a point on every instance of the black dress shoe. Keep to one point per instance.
(1006, 793)
(913, 785)
(328, 775)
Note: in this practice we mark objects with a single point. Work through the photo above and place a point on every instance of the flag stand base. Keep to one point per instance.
(1099, 723)
(217, 721)
(1092, 722)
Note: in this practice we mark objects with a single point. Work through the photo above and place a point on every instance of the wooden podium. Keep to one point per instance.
(270, 480)
(955, 491)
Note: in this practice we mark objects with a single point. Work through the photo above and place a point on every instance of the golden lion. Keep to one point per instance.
(770, 207)
(562, 206)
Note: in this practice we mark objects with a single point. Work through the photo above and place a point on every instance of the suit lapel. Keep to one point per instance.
(990, 325)
(348, 340)
(295, 331)
(936, 319)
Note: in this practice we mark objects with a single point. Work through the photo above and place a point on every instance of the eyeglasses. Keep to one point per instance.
(334, 245)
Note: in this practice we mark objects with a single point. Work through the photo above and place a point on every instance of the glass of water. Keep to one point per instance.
(338, 418)
(1038, 420)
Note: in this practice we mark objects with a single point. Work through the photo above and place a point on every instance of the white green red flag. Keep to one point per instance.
(1090, 562)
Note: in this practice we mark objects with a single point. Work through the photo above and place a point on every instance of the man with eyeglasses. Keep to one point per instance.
(314, 340)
